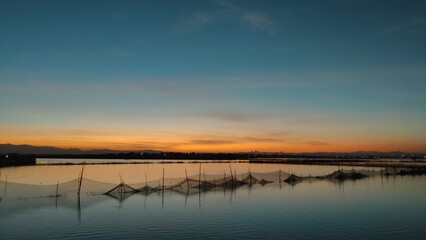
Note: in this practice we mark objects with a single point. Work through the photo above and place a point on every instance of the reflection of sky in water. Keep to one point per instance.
(388, 207)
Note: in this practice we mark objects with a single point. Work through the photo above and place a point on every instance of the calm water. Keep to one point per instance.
(372, 208)
(126, 161)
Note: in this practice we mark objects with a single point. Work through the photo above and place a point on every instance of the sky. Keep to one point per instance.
(214, 76)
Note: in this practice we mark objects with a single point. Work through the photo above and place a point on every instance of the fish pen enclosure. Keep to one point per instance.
(227, 181)
(81, 192)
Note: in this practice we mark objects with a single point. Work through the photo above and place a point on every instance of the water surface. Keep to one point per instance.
(391, 207)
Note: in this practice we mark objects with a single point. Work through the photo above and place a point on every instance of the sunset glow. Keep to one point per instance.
(214, 76)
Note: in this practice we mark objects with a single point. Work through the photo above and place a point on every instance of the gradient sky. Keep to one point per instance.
(292, 76)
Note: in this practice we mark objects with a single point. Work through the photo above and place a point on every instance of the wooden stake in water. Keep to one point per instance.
(81, 180)
(5, 187)
(163, 179)
(199, 178)
(205, 180)
(121, 178)
(230, 170)
(187, 181)
(57, 189)
(280, 178)
(199, 186)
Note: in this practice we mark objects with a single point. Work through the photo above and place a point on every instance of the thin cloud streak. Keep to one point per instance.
(196, 21)
(227, 116)
(205, 86)
(226, 12)
(258, 20)
(210, 142)
(414, 22)
(316, 143)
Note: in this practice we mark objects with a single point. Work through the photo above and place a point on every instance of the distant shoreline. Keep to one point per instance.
(342, 162)
(298, 161)
(179, 158)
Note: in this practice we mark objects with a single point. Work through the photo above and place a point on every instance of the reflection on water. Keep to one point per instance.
(391, 207)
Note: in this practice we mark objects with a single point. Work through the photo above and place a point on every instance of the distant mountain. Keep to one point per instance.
(28, 149)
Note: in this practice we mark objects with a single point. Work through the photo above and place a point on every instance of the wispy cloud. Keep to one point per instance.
(258, 20)
(263, 139)
(316, 143)
(412, 22)
(227, 12)
(227, 116)
(196, 21)
(211, 142)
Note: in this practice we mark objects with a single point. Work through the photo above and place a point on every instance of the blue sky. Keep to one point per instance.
(214, 75)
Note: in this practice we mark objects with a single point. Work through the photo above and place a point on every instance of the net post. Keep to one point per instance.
(81, 180)
(163, 179)
(187, 181)
(199, 178)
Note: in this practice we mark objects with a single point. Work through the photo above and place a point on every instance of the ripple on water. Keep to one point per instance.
(359, 210)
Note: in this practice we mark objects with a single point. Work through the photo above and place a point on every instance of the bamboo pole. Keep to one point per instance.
(79, 207)
(199, 186)
(81, 180)
(187, 181)
(121, 178)
(163, 179)
(280, 178)
(162, 198)
(199, 178)
(5, 187)
(205, 180)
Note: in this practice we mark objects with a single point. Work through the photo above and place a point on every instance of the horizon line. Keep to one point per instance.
(213, 152)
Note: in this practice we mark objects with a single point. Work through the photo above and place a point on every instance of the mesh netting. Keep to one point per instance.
(193, 184)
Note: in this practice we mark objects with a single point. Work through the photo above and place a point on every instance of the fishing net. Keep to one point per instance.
(228, 180)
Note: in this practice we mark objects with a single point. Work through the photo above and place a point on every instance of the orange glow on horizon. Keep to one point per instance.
(210, 141)
(353, 146)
